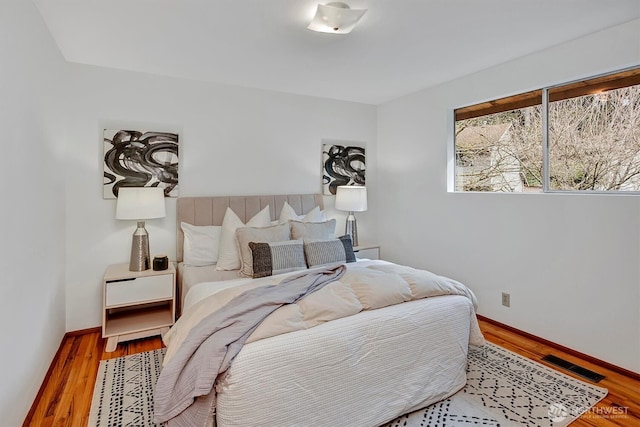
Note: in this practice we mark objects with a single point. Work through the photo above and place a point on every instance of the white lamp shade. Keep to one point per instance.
(139, 203)
(336, 18)
(352, 198)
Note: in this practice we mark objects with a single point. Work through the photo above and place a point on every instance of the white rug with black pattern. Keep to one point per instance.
(503, 389)
(123, 394)
(506, 389)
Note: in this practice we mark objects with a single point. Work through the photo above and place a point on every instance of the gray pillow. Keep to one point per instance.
(276, 258)
(244, 235)
(318, 252)
(313, 230)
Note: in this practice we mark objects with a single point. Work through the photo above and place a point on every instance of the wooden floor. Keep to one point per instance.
(66, 399)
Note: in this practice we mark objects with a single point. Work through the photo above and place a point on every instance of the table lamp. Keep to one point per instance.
(351, 198)
(140, 203)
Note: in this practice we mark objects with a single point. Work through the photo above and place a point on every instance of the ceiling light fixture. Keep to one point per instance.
(336, 17)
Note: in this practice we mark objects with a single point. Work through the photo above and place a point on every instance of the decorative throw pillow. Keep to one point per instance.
(201, 244)
(313, 230)
(276, 258)
(320, 252)
(244, 235)
(229, 259)
(289, 214)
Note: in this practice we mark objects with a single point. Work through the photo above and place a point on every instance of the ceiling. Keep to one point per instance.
(399, 47)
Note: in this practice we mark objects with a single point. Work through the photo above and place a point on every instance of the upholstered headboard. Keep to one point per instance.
(210, 210)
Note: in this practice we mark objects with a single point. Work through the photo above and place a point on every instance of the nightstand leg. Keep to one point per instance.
(112, 344)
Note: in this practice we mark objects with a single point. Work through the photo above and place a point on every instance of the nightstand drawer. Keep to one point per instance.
(138, 290)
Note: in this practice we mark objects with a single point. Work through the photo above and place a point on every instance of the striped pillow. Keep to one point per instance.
(276, 258)
(320, 252)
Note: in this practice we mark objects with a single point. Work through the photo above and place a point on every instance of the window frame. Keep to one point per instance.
(617, 79)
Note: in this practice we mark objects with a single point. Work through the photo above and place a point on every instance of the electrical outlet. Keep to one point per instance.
(506, 299)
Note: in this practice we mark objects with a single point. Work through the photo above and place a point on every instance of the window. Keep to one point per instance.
(582, 136)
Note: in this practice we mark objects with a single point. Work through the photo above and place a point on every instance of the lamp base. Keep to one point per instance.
(140, 259)
(351, 228)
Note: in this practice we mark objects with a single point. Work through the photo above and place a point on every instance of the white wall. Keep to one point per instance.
(32, 320)
(232, 141)
(570, 263)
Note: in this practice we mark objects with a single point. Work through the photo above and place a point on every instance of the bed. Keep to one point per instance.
(347, 366)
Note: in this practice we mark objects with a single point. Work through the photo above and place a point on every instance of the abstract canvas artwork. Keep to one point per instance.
(342, 165)
(135, 158)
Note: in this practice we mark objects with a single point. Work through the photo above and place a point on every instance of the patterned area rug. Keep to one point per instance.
(506, 389)
(503, 389)
(123, 394)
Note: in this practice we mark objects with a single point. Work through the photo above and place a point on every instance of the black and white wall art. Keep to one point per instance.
(342, 165)
(134, 158)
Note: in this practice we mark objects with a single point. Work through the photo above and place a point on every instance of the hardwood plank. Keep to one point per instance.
(47, 390)
(66, 394)
(65, 371)
(65, 408)
(86, 380)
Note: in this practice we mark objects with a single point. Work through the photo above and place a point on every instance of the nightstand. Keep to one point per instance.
(367, 251)
(136, 304)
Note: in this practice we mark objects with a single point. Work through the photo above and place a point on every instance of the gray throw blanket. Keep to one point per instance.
(184, 393)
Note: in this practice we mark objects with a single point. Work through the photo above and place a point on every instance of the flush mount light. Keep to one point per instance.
(335, 17)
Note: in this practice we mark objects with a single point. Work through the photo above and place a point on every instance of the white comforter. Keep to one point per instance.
(403, 351)
(367, 285)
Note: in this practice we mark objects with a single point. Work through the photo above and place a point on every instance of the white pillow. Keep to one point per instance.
(289, 214)
(201, 244)
(229, 259)
(314, 215)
